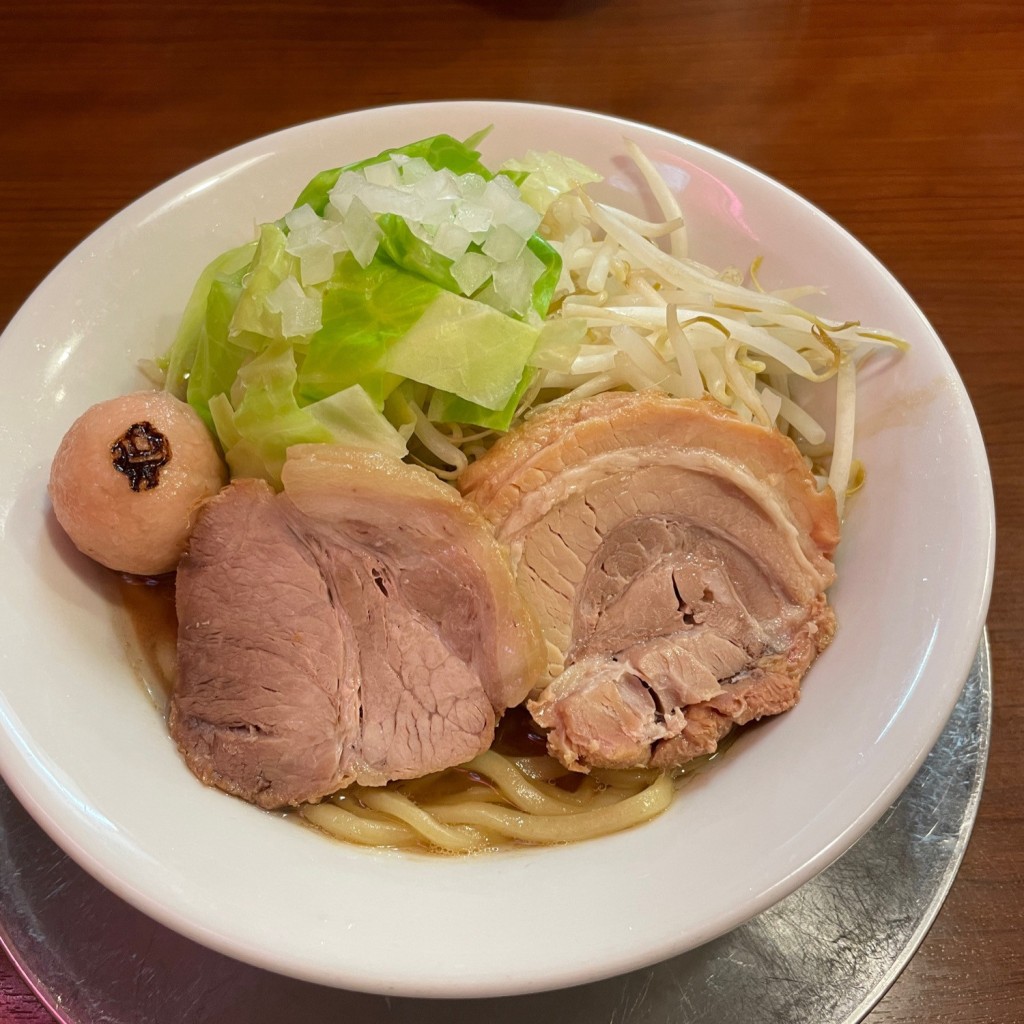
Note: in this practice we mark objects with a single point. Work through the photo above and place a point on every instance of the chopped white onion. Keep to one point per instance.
(316, 264)
(412, 169)
(300, 313)
(301, 217)
(503, 244)
(362, 232)
(474, 217)
(451, 240)
(514, 280)
(385, 173)
(471, 271)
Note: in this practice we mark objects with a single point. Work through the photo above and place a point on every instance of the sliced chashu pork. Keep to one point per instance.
(363, 625)
(677, 559)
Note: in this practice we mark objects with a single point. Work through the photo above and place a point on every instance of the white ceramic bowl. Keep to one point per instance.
(85, 751)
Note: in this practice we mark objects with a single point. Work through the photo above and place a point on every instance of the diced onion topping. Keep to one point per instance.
(448, 212)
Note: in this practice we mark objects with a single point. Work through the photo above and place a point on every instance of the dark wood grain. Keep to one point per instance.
(902, 121)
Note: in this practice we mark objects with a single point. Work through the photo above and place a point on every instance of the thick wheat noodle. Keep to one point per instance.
(563, 829)
(434, 830)
(518, 805)
(355, 828)
(516, 787)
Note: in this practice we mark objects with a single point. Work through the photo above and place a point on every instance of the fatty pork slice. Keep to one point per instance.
(361, 626)
(677, 558)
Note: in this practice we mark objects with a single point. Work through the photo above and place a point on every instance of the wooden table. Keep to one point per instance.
(905, 122)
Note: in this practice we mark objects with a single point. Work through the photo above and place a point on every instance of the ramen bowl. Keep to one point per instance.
(85, 749)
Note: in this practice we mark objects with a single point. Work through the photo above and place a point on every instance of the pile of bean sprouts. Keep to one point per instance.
(633, 310)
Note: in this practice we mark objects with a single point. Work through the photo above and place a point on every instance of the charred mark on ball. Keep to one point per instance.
(140, 453)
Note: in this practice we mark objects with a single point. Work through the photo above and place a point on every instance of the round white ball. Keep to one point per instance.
(143, 531)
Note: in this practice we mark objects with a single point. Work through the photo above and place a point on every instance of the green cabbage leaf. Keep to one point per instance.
(269, 361)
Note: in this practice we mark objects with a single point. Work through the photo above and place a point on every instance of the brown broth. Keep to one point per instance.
(151, 631)
(517, 735)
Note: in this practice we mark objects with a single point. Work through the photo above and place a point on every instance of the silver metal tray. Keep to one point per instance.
(827, 953)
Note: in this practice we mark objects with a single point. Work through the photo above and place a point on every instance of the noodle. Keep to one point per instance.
(499, 803)
(584, 824)
(355, 828)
